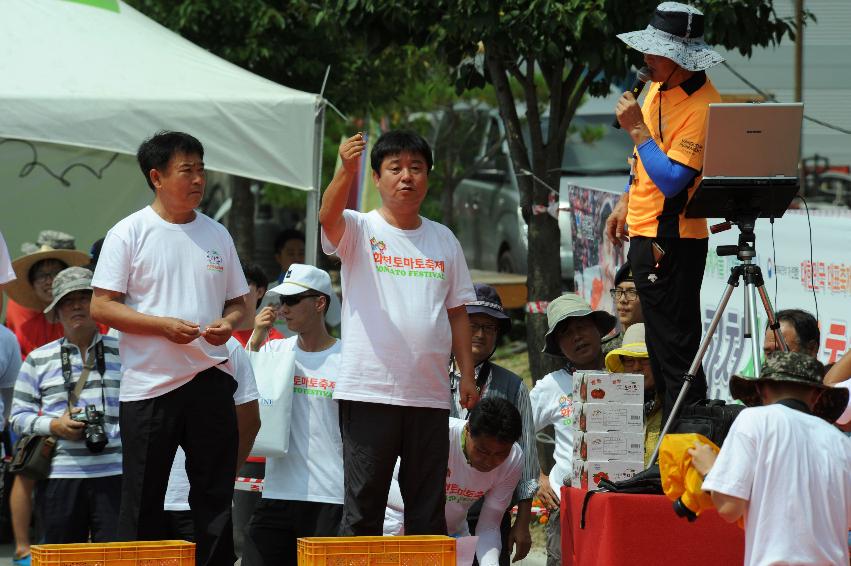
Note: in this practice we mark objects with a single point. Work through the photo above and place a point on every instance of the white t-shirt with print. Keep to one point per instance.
(177, 493)
(794, 470)
(552, 404)
(312, 469)
(397, 287)
(7, 274)
(464, 486)
(185, 271)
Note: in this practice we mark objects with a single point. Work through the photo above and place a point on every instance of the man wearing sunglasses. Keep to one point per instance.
(302, 491)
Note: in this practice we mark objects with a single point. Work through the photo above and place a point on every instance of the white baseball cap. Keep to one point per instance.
(845, 418)
(300, 278)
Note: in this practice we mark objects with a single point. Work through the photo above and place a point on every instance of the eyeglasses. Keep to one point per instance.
(43, 276)
(484, 328)
(630, 294)
(293, 300)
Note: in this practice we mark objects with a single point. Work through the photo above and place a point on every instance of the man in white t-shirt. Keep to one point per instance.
(169, 279)
(574, 334)
(485, 462)
(302, 491)
(783, 467)
(178, 514)
(405, 283)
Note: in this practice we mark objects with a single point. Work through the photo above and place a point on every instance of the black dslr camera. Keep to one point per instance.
(94, 433)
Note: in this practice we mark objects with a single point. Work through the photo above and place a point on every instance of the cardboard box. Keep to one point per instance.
(600, 387)
(615, 445)
(587, 475)
(605, 417)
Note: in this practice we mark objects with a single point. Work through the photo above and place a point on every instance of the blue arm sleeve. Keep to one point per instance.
(671, 177)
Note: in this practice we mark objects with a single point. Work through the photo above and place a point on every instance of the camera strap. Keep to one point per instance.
(74, 392)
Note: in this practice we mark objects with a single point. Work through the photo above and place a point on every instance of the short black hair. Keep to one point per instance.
(255, 274)
(805, 324)
(496, 417)
(395, 142)
(156, 151)
(285, 236)
(36, 265)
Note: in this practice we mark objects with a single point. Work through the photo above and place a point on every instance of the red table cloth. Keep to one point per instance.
(643, 529)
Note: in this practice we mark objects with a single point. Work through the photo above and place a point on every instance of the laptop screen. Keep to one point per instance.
(753, 140)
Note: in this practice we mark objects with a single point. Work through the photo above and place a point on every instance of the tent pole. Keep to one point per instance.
(311, 247)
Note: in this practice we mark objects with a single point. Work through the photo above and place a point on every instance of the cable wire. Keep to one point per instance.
(812, 262)
(772, 98)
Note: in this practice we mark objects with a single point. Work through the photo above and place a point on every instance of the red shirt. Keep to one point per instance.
(32, 328)
(244, 335)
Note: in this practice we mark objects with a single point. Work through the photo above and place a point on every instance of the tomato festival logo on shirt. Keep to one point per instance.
(377, 245)
(215, 261)
(566, 409)
(400, 266)
(455, 492)
(314, 386)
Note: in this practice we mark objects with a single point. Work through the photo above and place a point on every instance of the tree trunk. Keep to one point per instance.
(544, 261)
(241, 218)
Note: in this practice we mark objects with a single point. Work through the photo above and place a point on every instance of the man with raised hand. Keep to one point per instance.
(405, 283)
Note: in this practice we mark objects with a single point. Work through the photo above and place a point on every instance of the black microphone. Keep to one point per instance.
(640, 80)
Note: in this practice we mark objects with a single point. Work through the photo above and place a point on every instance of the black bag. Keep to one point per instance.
(645, 481)
(712, 418)
(33, 456)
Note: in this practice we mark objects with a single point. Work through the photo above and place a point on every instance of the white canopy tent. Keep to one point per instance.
(98, 74)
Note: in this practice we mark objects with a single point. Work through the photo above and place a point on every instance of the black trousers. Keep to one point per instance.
(273, 531)
(374, 436)
(669, 290)
(200, 417)
(73, 509)
(179, 526)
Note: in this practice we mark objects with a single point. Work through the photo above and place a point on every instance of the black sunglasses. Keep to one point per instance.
(293, 300)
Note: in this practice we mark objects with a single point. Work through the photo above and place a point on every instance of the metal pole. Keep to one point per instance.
(799, 50)
(772, 318)
(311, 219)
(750, 292)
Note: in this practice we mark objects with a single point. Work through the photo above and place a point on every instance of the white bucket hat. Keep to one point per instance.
(676, 32)
(300, 278)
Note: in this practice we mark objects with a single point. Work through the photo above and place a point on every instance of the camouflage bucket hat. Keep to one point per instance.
(792, 367)
(67, 281)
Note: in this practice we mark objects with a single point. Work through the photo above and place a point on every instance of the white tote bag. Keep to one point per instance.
(274, 374)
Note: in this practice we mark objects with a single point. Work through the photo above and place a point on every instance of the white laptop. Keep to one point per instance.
(752, 144)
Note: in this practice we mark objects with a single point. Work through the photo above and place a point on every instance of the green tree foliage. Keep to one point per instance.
(293, 43)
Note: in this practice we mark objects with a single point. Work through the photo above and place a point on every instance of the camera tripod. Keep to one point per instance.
(751, 274)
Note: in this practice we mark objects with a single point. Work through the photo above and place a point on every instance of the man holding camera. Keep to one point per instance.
(68, 389)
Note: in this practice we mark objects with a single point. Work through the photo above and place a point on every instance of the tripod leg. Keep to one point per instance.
(773, 323)
(695, 364)
(750, 303)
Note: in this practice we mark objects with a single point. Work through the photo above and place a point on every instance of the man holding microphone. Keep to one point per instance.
(668, 251)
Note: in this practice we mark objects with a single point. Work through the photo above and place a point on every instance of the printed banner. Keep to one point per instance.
(792, 279)
(595, 259)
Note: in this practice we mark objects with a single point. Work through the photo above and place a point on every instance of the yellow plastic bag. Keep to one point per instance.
(681, 482)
